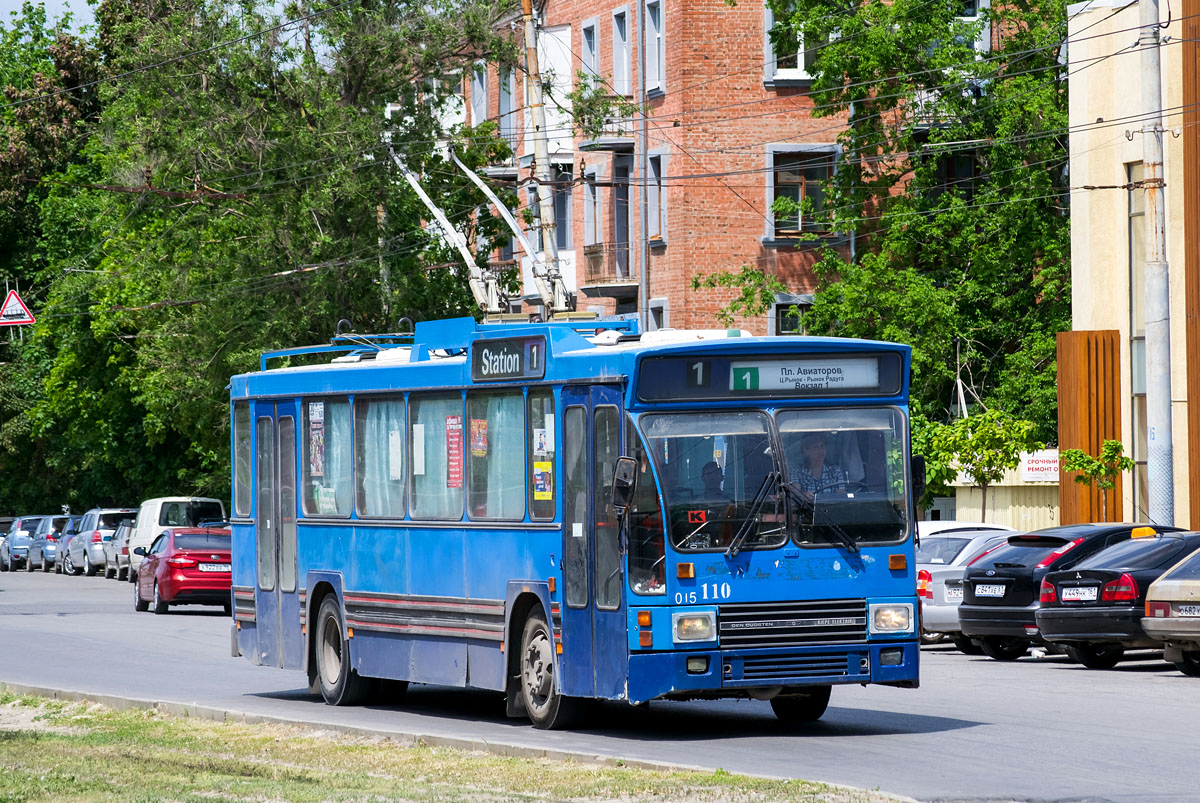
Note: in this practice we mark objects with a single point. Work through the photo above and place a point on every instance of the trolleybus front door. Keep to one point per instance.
(595, 648)
(276, 600)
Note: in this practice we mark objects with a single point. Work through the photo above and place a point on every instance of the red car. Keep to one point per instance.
(184, 566)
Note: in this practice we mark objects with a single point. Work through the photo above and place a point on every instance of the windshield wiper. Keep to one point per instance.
(798, 498)
(764, 490)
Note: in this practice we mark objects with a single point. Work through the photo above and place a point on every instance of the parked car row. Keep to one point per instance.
(1090, 590)
(176, 550)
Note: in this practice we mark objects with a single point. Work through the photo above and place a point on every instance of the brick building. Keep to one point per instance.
(729, 128)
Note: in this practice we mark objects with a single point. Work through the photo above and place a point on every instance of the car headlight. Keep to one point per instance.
(892, 617)
(694, 626)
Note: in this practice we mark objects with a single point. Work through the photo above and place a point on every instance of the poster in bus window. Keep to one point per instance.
(539, 441)
(454, 451)
(543, 480)
(479, 437)
(316, 439)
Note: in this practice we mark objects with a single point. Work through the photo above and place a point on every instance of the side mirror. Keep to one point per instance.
(623, 483)
(918, 477)
(140, 551)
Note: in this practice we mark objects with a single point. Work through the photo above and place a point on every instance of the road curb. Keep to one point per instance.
(507, 749)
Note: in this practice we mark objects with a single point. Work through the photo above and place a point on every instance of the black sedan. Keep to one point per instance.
(1001, 586)
(1096, 608)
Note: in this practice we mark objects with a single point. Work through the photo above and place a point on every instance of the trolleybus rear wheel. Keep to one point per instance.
(801, 705)
(340, 684)
(547, 708)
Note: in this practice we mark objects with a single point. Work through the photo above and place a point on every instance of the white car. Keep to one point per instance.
(946, 547)
(169, 511)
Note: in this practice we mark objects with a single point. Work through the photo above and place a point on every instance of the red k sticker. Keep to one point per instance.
(697, 516)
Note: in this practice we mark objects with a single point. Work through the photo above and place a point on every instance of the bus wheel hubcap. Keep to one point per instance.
(331, 652)
(537, 667)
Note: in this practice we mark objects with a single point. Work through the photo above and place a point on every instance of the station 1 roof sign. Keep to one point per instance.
(14, 311)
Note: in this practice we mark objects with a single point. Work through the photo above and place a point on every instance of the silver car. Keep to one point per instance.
(86, 551)
(942, 559)
(116, 551)
(14, 552)
(43, 548)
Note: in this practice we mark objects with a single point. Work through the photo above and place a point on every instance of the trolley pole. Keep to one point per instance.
(1160, 459)
(541, 160)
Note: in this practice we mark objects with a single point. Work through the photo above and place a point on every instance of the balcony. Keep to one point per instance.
(607, 270)
(616, 134)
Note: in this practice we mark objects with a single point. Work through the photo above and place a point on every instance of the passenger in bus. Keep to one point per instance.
(812, 473)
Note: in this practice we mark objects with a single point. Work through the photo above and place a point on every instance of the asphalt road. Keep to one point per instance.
(977, 729)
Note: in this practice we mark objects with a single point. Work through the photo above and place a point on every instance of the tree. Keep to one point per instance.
(985, 446)
(1101, 472)
(225, 203)
(952, 181)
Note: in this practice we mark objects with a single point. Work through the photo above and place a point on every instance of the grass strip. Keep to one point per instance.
(77, 751)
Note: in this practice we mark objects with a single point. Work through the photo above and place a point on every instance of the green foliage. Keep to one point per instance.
(593, 106)
(1101, 471)
(984, 446)
(952, 180)
(756, 291)
(225, 203)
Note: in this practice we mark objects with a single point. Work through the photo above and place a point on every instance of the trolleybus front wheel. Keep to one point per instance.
(547, 708)
(340, 684)
(801, 705)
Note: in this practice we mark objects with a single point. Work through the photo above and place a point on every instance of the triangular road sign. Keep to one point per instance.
(14, 311)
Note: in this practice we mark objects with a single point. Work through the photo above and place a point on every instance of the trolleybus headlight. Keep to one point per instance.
(694, 626)
(892, 618)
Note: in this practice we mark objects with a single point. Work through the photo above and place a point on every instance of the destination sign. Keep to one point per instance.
(508, 358)
(848, 373)
(713, 377)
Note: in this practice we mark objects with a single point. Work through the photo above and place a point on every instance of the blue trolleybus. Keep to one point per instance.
(569, 511)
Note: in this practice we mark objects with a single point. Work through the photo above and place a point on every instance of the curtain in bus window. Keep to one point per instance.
(541, 455)
(437, 457)
(381, 455)
(328, 457)
(497, 455)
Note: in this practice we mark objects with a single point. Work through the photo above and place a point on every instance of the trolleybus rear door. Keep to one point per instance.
(276, 598)
(595, 652)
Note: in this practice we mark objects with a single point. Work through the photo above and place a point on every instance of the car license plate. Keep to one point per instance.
(214, 567)
(954, 592)
(1087, 594)
(1189, 610)
(989, 591)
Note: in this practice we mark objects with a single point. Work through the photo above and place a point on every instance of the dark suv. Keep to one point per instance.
(1001, 586)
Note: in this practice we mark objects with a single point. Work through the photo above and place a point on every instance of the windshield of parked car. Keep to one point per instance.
(1140, 553)
(189, 514)
(846, 474)
(53, 524)
(111, 521)
(940, 550)
(202, 541)
(717, 471)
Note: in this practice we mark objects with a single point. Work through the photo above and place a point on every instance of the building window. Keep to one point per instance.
(787, 315)
(587, 55)
(656, 199)
(563, 187)
(972, 9)
(621, 83)
(592, 220)
(508, 115)
(655, 54)
(479, 93)
(787, 57)
(660, 313)
(799, 176)
(1137, 339)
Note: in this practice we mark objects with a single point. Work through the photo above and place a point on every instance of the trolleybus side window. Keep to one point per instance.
(541, 455)
(381, 447)
(608, 555)
(436, 435)
(241, 452)
(496, 455)
(327, 457)
(575, 507)
(266, 502)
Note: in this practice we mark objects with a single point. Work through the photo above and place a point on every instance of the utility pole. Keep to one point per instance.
(1160, 459)
(541, 160)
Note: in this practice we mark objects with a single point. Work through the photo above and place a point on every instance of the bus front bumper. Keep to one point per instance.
(739, 673)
